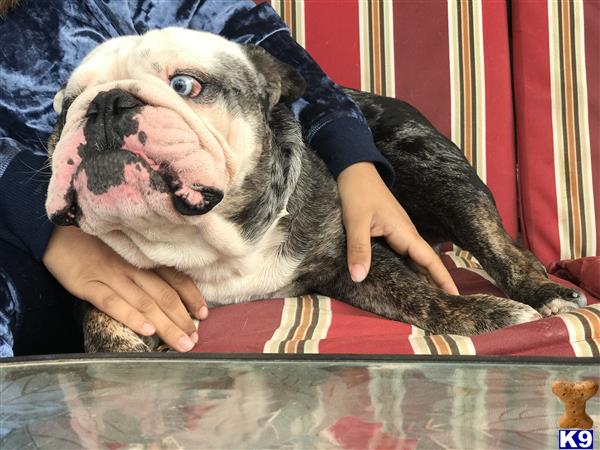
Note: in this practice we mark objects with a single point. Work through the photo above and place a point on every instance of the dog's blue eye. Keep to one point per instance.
(186, 86)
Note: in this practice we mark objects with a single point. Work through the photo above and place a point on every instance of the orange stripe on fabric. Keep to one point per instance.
(286, 9)
(441, 345)
(376, 50)
(299, 333)
(570, 122)
(593, 320)
(466, 82)
(307, 316)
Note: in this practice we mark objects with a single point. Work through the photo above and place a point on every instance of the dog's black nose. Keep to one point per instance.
(110, 118)
(114, 102)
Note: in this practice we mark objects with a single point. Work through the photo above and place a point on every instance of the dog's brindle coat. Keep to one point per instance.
(290, 190)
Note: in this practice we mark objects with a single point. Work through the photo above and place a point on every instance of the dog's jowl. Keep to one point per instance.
(203, 168)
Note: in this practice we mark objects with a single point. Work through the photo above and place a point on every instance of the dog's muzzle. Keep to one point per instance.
(109, 120)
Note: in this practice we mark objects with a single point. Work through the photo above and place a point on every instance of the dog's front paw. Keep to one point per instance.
(559, 305)
(552, 299)
(102, 333)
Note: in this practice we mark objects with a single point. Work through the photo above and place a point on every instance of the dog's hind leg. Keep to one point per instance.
(393, 290)
(518, 272)
(448, 201)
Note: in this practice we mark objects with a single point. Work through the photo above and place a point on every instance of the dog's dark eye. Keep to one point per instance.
(186, 86)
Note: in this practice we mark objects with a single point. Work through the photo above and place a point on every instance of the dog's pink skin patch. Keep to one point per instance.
(65, 162)
(129, 202)
(169, 140)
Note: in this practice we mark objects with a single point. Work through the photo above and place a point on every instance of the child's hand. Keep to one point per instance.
(147, 301)
(370, 209)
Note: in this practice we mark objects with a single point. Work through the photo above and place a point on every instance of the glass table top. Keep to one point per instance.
(214, 403)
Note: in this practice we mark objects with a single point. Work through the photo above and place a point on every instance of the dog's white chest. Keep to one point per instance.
(253, 277)
(226, 268)
(240, 270)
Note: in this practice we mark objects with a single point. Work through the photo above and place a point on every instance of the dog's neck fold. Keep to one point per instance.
(263, 195)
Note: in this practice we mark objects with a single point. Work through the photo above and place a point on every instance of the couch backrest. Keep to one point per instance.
(556, 60)
(450, 60)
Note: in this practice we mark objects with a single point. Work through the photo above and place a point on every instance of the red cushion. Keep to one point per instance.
(557, 99)
(583, 272)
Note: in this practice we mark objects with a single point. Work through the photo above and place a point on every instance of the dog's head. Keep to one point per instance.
(157, 129)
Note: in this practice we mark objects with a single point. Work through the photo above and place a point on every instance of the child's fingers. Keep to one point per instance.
(115, 306)
(421, 253)
(358, 244)
(162, 294)
(187, 290)
(178, 338)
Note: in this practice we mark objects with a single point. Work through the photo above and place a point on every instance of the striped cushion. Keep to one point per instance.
(556, 61)
(450, 60)
(316, 324)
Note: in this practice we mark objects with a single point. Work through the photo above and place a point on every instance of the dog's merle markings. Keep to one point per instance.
(142, 137)
(237, 83)
(232, 82)
(103, 334)
(427, 164)
(265, 192)
(157, 67)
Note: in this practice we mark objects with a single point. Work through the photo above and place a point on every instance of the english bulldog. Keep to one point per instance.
(177, 148)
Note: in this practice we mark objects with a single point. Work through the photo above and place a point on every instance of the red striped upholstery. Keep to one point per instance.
(556, 48)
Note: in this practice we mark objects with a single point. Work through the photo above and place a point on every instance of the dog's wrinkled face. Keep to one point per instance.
(157, 129)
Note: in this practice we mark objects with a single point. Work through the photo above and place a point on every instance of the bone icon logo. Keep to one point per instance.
(575, 424)
(574, 396)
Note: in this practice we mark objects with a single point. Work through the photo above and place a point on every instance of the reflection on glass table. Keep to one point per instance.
(216, 404)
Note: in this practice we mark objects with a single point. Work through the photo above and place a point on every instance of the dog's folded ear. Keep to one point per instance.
(283, 83)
